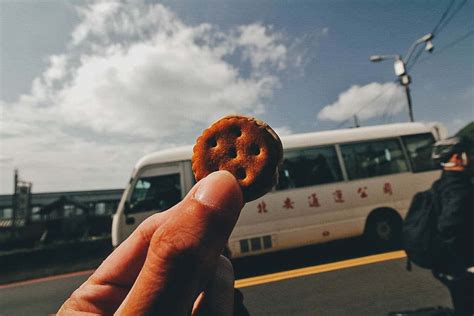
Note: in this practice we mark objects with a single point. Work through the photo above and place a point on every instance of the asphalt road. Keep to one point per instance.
(39, 298)
(372, 289)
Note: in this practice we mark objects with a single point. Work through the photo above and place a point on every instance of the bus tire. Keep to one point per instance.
(383, 229)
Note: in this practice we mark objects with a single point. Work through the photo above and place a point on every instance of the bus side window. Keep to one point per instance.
(308, 167)
(375, 158)
(419, 149)
(155, 193)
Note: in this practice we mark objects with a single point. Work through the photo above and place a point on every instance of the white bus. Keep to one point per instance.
(332, 185)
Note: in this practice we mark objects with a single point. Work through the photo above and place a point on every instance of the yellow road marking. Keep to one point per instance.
(279, 276)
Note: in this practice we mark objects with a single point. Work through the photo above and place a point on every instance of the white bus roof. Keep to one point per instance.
(310, 139)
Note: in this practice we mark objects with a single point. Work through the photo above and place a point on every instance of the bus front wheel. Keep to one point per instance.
(383, 229)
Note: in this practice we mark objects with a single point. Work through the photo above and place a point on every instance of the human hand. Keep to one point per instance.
(169, 259)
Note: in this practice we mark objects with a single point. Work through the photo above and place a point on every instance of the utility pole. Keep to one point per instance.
(14, 197)
(399, 66)
(21, 201)
(410, 106)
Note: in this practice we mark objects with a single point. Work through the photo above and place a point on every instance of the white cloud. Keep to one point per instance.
(372, 100)
(94, 20)
(134, 78)
(260, 46)
(304, 49)
(56, 70)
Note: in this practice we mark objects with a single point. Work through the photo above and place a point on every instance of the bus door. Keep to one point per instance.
(155, 189)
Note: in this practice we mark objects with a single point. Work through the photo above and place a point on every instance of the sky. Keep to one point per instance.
(89, 87)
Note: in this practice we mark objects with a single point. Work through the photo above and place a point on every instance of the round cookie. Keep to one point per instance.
(246, 147)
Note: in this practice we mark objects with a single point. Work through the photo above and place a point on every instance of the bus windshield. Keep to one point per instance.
(155, 193)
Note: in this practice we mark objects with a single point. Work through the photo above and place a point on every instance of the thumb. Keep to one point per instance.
(184, 250)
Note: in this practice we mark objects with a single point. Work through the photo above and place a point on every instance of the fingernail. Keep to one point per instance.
(220, 190)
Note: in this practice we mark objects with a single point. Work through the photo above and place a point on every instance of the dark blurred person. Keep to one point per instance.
(454, 266)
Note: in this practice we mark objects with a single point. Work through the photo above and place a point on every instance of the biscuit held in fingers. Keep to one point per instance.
(244, 146)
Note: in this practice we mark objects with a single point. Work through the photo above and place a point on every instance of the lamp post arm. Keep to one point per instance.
(377, 58)
(410, 51)
(419, 41)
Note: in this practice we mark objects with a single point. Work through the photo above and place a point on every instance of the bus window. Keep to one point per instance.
(374, 158)
(309, 167)
(155, 193)
(419, 149)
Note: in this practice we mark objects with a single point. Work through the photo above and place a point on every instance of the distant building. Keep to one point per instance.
(99, 202)
(57, 216)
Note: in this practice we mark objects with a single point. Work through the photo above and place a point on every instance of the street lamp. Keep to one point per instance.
(399, 66)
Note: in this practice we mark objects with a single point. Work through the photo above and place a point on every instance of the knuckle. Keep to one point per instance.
(75, 301)
(173, 246)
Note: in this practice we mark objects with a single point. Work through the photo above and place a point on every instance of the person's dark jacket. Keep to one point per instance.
(455, 222)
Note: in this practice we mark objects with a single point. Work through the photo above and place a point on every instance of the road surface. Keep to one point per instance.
(371, 285)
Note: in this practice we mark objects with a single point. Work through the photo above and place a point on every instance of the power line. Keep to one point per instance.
(414, 60)
(440, 26)
(402, 66)
(443, 16)
(386, 116)
(378, 96)
(387, 108)
(450, 45)
(446, 22)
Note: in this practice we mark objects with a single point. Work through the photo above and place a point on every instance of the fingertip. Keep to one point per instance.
(220, 190)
